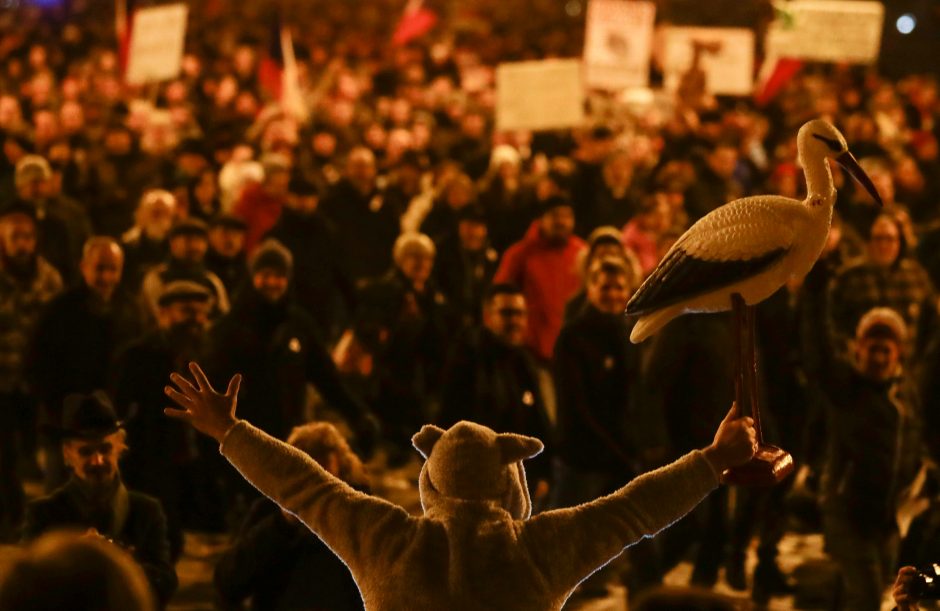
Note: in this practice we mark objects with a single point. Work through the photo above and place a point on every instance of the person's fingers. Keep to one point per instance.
(181, 399)
(178, 414)
(732, 413)
(183, 384)
(234, 385)
(907, 570)
(200, 377)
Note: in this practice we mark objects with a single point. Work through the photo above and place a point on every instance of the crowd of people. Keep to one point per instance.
(389, 257)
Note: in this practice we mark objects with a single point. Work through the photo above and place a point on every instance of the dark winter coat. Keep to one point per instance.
(597, 374)
(463, 277)
(75, 342)
(277, 348)
(142, 531)
(367, 226)
(492, 383)
(321, 282)
(283, 566)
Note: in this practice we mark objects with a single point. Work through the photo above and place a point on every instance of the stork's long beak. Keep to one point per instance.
(848, 161)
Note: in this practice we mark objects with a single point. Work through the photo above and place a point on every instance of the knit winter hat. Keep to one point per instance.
(882, 323)
(271, 255)
(470, 462)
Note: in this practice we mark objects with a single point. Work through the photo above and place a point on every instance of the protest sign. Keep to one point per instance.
(539, 95)
(827, 31)
(156, 46)
(618, 43)
(726, 55)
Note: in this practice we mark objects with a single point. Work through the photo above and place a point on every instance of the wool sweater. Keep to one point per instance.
(466, 553)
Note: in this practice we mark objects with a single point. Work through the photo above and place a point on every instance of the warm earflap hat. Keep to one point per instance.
(470, 462)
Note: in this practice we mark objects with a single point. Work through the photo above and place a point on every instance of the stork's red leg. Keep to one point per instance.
(751, 375)
(738, 307)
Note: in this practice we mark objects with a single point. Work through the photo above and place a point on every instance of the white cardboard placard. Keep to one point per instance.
(827, 31)
(539, 95)
(156, 46)
(729, 69)
(617, 44)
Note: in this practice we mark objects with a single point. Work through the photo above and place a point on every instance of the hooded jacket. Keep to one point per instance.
(547, 274)
(475, 546)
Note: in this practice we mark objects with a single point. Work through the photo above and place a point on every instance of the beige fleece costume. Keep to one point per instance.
(475, 547)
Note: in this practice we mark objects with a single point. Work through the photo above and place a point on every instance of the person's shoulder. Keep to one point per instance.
(144, 503)
(44, 508)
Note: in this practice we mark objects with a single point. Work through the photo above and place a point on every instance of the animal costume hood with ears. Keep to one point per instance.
(475, 546)
(472, 463)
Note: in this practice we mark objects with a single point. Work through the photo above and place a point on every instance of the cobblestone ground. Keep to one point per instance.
(801, 556)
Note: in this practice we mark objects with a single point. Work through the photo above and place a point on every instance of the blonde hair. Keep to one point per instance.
(408, 243)
(319, 440)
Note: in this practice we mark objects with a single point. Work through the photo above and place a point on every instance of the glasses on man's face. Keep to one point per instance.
(511, 312)
(885, 238)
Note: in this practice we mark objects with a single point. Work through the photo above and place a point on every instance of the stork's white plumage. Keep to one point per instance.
(750, 246)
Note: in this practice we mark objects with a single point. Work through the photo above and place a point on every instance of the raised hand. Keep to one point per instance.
(735, 441)
(205, 409)
(901, 592)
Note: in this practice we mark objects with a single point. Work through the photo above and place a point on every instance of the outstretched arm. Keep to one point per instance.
(351, 523)
(582, 539)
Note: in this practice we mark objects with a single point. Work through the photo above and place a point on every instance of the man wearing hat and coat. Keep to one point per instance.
(226, 256)
(189, 242)
(168, 462)
(95, 499)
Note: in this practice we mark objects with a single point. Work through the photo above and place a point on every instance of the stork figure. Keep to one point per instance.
(740, 254)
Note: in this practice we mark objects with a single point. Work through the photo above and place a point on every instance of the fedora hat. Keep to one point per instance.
(88, 416)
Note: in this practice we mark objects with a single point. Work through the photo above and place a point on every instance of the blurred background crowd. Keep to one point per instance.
(388, 258)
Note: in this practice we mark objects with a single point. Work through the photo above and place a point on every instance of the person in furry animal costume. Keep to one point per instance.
(476, 546)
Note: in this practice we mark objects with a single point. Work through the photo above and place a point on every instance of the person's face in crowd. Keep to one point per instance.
(400, 111)
(884, 184)
(361, 169)
(118, 142)
(472, 235)
(244, 61)
(878, 358)
(156, 218)
(459, 194)
(246, 104)
(18, 233)
(908, 175)
(375, 137)
(226, 91)
(723, 161)
(191, 164)
(558, 223)
(473, 125)
(45, 127)
(507, 317)
(304, 205)
(416, 266)
(33, 188)
(188, 318)
(608, 292)
(175, 93)
(71, 117)
(884, 244)
(226, 241)
(270, 283)
(94, 461)
(206, 188)
(37, 57)
(101, 269)
(276, 183)
(190, 248)
(324, 146)
(618, 171)
(10, 115)
(420, 136)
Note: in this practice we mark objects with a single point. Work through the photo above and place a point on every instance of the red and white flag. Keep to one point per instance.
(416, 21)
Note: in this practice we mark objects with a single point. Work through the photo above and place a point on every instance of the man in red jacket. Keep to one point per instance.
(544, 265)
(260, 204)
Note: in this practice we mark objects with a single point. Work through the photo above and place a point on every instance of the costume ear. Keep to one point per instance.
(424, 440)
(514, 448)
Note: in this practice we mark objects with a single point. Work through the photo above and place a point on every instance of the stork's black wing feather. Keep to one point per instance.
(680, 276)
